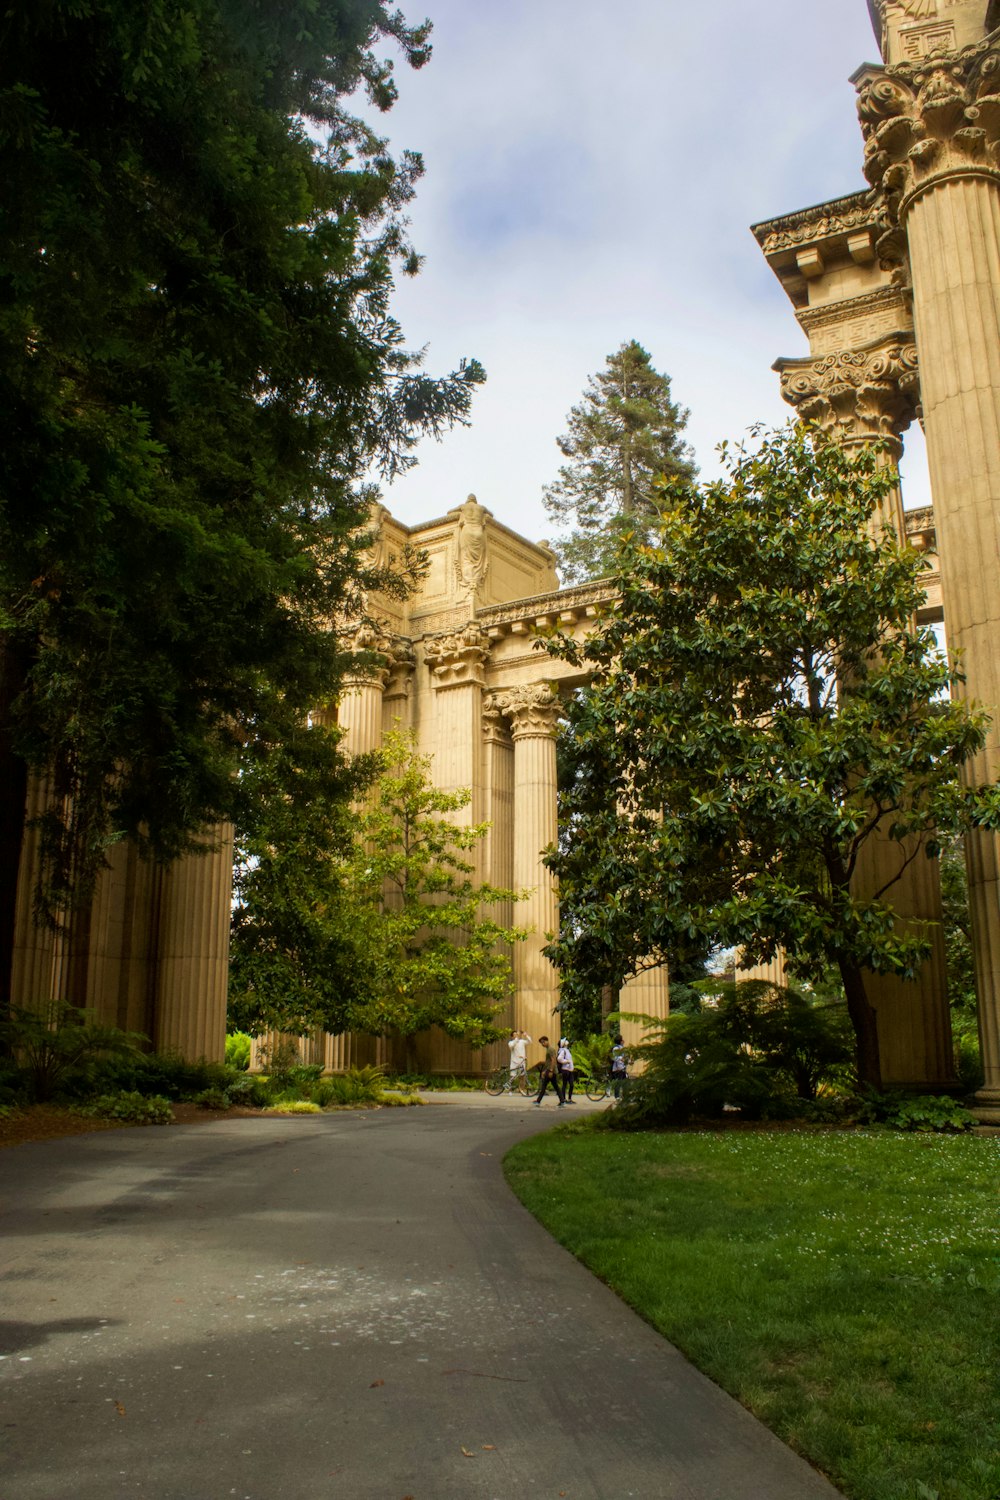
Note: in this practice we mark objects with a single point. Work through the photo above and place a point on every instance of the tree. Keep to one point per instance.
(761, 708)
(366, 919)
(297, 956)
(197, 369)
(437, 958)
(625, 433)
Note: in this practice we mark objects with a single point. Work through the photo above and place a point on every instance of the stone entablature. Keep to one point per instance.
(908, 30)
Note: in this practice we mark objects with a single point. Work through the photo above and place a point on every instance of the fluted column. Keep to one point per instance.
(32, 977)
(932, 144)
(860, 397)
(193, 950)
(359, 712)
(533, 713)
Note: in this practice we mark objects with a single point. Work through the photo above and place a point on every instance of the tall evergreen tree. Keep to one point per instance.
(197, 367)
(625, 433)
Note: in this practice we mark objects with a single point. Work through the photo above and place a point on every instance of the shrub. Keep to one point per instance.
(130, 1108)
(213, 1099)
(49, 1043)
(251, 1091)
(238, 1047)
(923, 1112)
(760, 1048)
(294, 1107)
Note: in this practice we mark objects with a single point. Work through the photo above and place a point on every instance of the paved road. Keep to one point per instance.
(350, 1306)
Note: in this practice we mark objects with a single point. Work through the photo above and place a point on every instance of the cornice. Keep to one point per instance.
(822, 221)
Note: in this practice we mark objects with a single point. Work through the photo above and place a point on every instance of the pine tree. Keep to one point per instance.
(623, 435)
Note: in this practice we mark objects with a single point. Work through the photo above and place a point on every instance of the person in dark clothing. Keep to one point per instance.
(550, 1072)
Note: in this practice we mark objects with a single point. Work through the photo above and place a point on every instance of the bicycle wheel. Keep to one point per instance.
(523, 1084)
(496, 1080)
(597, 1089)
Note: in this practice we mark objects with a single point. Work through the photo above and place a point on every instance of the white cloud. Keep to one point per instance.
(592, 172)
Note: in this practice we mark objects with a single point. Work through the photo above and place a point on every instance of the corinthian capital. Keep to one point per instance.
(859, 395)
(372, 652)
(533, 711)
(458, 658)
(930, 119)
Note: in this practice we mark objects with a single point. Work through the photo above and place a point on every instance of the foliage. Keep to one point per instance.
(213, 1099)
(761, 708)
(755, 1047)
(148, 1073)
(592, 1055)
(49, 1043)
(296, 961)
(922, 1112)
(129, 1108)
(840, 1284)
(294, 1107)
(623, 435)
(958, 956)
(432, 955)
(199, 372)
(238, 1049)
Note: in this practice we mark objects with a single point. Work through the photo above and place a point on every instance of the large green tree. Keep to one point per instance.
(198, 237)
(761, 708)
(623, 436)
(371, 919)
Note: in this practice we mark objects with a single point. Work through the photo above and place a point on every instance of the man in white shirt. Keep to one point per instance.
(518, 1045)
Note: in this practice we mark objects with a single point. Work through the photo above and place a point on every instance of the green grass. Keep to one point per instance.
(845, 1286)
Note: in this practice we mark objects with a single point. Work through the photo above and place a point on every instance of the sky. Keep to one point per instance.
(592, 170)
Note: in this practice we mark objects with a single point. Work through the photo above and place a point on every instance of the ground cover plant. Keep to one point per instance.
(841, 1284)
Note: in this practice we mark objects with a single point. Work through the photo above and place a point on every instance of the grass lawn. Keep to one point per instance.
(845, 1286)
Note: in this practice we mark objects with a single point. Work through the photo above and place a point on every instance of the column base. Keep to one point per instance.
(985, 1105)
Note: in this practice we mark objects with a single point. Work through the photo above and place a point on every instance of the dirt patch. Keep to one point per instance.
(46, 1122)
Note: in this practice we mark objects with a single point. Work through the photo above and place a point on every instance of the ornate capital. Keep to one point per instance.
(533, 711)
(856, 396)
(373, 651)
(458, 658)
(400, 673)
(928, 120)
(495, 731)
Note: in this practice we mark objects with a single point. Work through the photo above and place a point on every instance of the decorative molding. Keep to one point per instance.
(882, 300)
(927, 121)
(858, 395)
(921, 532)
(533, 710)
(840, 216)
(581, 597)
(372, 649)
(458, 658)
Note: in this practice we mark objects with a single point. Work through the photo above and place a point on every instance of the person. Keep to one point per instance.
(518, 1045)
(619, 1067)
(550, 1072)
(567, 1070)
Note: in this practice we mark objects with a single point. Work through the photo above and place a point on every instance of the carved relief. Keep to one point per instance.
(923, 121)
(458, 658)
(372, 649)
(495, 729)
(841, 216)
(856, 395)
(533, 710)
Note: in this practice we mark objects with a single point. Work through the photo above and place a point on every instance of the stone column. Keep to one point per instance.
(193, 951)
(860, 397)
(533, 713)
(932, 146)
(359, 712)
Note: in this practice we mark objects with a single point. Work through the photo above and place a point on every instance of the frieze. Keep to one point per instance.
(883, 300)
(581, 597)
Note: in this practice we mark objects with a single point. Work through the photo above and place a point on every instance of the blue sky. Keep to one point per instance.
(592, 172)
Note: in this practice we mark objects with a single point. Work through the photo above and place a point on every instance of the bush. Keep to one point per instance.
(295, 1107)
(130, 1108)
(238, 1047)
(213, 1099)
(50, 1043)
(923, 1112)
(760, 1049)
(251, 1091)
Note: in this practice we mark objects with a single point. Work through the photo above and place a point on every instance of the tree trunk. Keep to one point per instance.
(865, 1025)
(609, 1002)
(14, 780)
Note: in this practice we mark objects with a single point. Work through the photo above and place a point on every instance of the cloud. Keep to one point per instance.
(592, 173)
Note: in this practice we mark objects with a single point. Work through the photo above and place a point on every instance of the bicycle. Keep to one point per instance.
(603, 1087)
(500, 1082)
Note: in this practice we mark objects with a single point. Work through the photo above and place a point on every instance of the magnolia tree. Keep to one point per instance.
(762, 707)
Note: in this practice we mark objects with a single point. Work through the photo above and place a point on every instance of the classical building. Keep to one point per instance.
(897, 289)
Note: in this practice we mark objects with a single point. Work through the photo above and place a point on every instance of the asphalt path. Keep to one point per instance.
(351, 1306)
